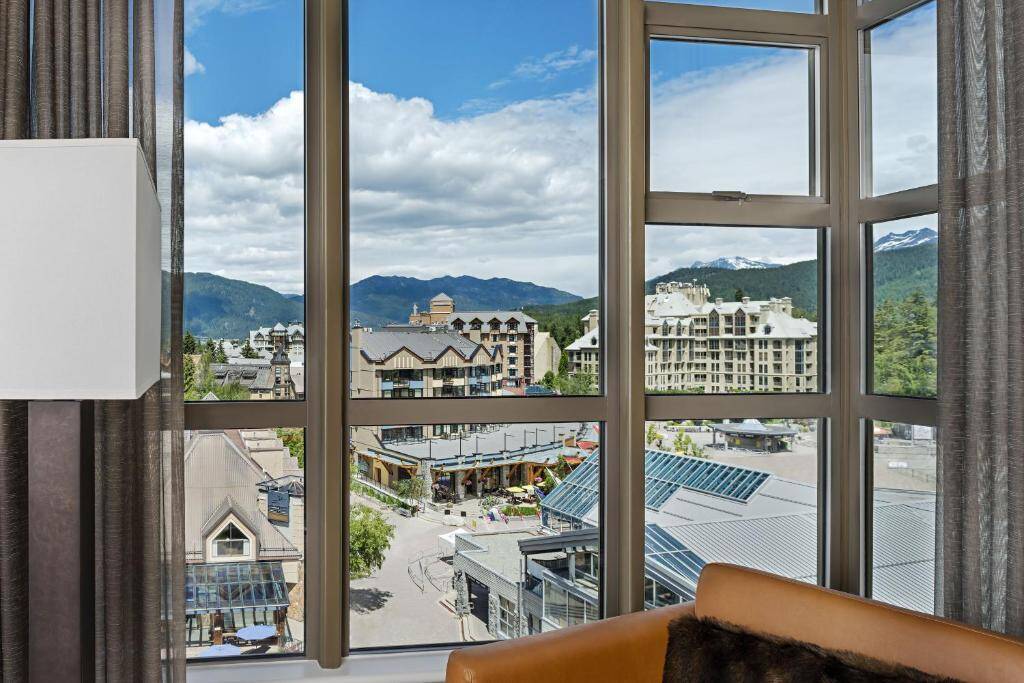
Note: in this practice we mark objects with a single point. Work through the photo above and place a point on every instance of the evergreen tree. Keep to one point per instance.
(548, 380)
(209, 346)
(188, 344)
(220, 356)
(904, 345)
(189, 376)
(738, 294)
(248, 351)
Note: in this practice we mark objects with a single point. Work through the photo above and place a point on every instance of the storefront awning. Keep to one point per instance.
(223, 586)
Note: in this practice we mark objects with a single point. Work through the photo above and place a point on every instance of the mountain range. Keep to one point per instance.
(903, 240)
(734, 263)
(218, 307)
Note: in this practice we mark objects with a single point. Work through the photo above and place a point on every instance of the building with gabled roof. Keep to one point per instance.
(528, 353)
(426, 361)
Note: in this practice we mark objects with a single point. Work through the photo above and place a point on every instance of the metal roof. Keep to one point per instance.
(754, 519)
(380, 345)
(221, 478)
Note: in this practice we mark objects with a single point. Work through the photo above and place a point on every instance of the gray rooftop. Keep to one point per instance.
(221, 479)
(380, 345)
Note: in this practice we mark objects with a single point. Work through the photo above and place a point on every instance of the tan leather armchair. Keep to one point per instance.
(632, 647)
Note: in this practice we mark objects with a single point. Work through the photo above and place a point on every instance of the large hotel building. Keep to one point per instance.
(528, 352)
(696, 344)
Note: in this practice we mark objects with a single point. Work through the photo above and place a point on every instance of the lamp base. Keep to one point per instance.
(62, 541)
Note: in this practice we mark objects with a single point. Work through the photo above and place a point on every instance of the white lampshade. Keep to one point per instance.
(80, 270)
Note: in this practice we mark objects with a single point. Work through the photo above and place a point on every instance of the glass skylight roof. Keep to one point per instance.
(665, 473)
(578, 493)
(234, 585)
(665, 552)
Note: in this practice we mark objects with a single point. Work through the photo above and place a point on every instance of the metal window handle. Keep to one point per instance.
(730, 195)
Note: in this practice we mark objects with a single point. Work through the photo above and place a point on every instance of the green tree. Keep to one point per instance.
(370, 537)
(579, 384)
(563, 364)
(652, 434)
(549, 380)
(562, 467)
(210, 346)
(295, 439)
(904, 345)
(414, 488)
(188, 344)
(220, 356)
(188, 372)
(248, 351)
(685, 445)
(738, 294)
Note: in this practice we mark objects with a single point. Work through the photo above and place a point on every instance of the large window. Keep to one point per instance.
(689, 283)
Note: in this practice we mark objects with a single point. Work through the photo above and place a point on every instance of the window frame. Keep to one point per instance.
(842, 210)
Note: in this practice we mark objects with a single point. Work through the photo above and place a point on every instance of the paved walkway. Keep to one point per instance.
(394, 607)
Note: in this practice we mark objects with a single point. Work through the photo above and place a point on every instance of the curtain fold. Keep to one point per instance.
(980, 491)
(69, 77)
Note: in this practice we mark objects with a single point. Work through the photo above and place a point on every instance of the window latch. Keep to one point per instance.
(730, 195)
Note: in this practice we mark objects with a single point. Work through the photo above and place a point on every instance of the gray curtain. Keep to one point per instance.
(980, 530)
(64, 73)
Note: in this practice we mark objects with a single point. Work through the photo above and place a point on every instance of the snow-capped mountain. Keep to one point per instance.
(903, 240)
(734, 263)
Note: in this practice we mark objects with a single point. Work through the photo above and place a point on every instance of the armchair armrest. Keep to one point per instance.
(626, 648)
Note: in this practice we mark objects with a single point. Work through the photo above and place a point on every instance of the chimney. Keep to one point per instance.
(745, 300)
(718, 301)
(592, 320)
(357, 334)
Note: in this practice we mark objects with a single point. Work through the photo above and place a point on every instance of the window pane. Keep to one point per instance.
(245, 540)
(475, 213)
(244, 202)
(732, 117)
(900, 69)
(777, 5)
(904, 515)
(731, 310)
(739, 491)
(457, 531)
(905, 289)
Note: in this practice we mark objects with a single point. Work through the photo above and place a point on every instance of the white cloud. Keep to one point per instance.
(506, 193)
(549, 66)
(244, 196)
(192, 65)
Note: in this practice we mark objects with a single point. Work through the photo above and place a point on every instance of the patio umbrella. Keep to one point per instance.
(224, 650)
(258, 632)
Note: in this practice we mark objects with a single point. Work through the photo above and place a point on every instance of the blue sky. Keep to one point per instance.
(474, 136)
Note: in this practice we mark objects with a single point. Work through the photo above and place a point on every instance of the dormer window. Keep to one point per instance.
(231, 542)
